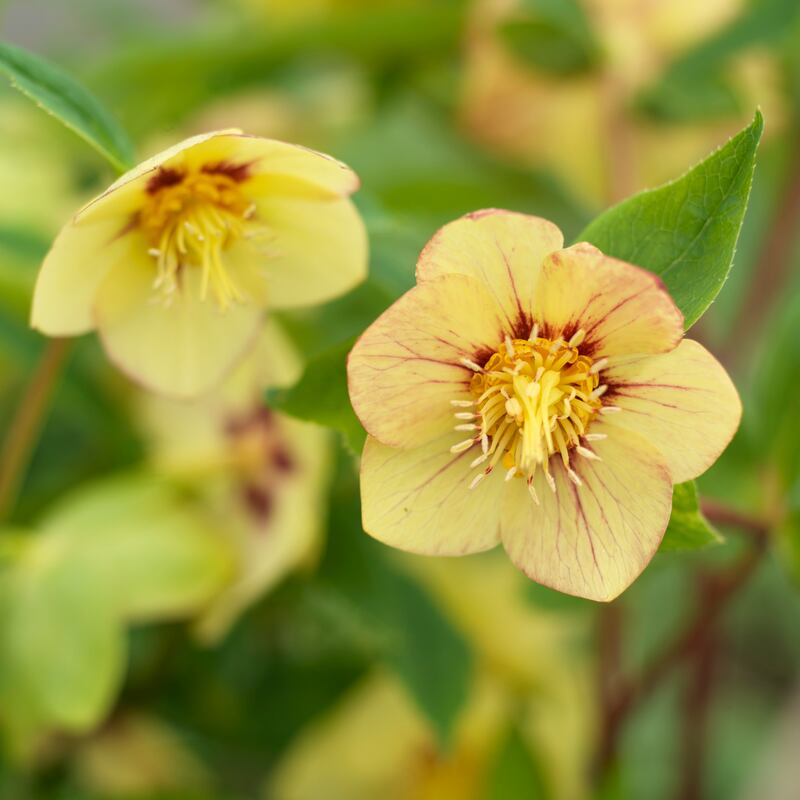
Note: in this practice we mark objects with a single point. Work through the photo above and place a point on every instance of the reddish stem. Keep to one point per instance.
(718, 591)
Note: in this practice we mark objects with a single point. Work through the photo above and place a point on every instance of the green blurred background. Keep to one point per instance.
(360, 674)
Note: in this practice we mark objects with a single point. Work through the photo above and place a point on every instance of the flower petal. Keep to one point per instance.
(270, 159)
(623, 309)
(183, 350)
(591, 540)
(682, 402)
(124, 195)
(419, 500)
(501, 248)
(315, 250)
(406, 367)
(289, 538)
(81, 256)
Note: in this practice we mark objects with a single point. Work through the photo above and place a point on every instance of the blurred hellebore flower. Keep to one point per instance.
(575, 122)
(577, 402)
(261, 476)
(175, 263)
(375, 743)
(547, 698)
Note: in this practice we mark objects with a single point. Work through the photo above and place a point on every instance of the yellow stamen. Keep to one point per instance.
(535, 399)
(190, 221)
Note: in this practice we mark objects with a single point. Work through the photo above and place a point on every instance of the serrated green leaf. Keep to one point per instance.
(685, 231)
(321, 396)
(68, 101)
(688, 529)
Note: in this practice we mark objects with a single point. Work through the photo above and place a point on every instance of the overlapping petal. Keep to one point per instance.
(503, 249)
(682, 402)
(419, 500)
(314, 249)
(81, 257)
(591, 540)
(406, 368)
(269, 161)
(181, 350)
(290, 536)
(622, 309)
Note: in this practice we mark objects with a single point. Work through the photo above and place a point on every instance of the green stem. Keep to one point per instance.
(27, 423)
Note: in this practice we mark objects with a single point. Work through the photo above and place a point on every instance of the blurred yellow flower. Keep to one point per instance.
(532, 652)
(376, 744)
(534, 349)
(546, 693)
(582, 126)
(137, 755)
(261, 476)
(175, 263)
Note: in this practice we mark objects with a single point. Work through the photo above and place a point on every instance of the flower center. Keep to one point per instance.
(190, 219)
(533, 398)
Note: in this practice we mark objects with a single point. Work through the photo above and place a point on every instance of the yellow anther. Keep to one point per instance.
(535, 399)
(190, 222)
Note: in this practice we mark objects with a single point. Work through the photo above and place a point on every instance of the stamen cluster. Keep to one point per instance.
(533, 398)
(189, 221)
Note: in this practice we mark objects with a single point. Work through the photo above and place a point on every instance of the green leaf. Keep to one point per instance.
(419, 643)
(515, 773)
(434, 175)
(123, 550)
(69, 102)
(553, 36)
(696, 85)
(21, 252)
(688, 529)
(774, 422)
(409, 631)
(686, 230)
(552, 600)
(688, 98)
(158, 557)
(321, 396)
(60, 642)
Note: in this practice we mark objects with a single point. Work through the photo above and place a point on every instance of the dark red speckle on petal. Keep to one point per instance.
(164, 176)
(236, 172)
(258, 502)
(282, 460)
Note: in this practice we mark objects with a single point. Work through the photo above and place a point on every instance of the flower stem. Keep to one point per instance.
(718, 591)
(26, 425)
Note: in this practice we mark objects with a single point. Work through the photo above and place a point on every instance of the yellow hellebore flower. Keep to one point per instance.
(175, 263)
(577, 405)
